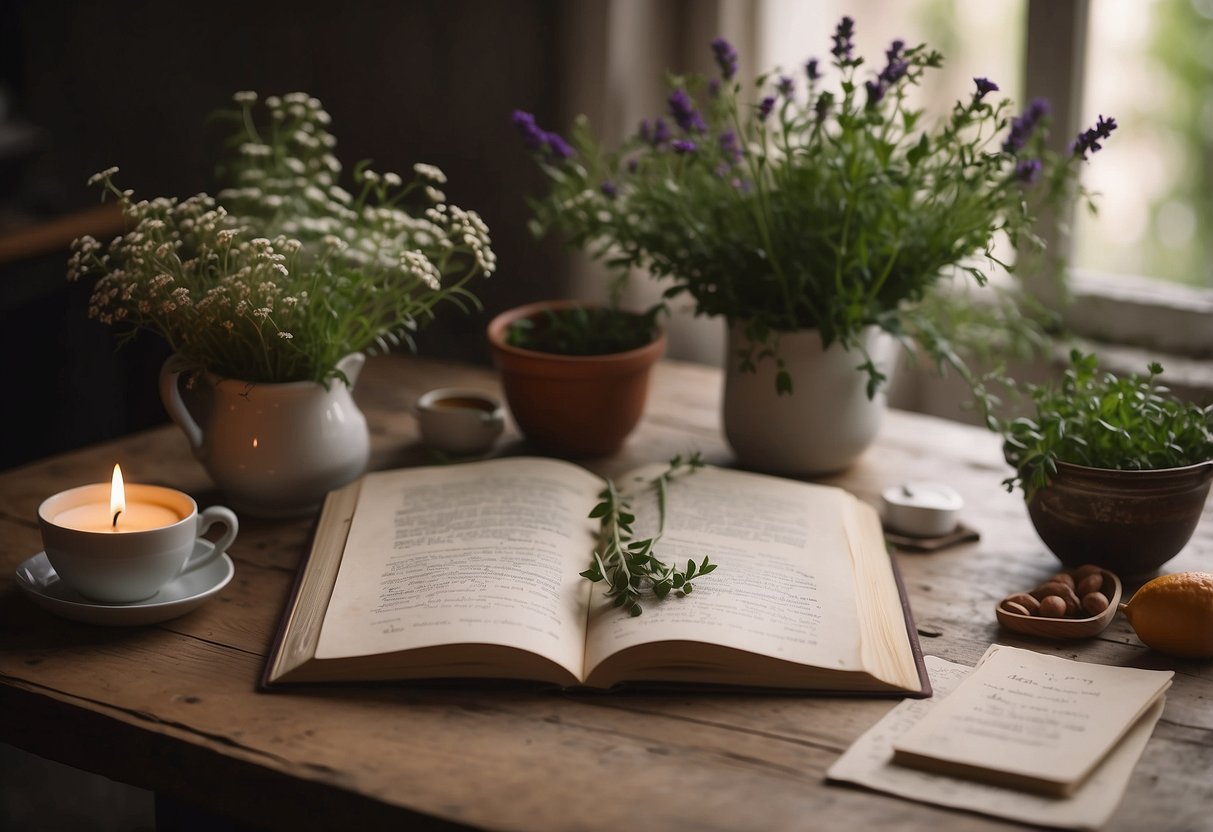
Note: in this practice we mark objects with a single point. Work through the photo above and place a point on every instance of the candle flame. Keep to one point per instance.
(117, 495)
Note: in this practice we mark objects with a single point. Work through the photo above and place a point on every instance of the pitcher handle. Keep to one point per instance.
(170, 395)
(351, 366)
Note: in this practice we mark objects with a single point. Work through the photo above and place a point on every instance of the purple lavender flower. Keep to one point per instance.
(532, 136)
(714, 88)
(729, 146)
(893, 73)
(609, 189)
(558, 146)
(786, 86)
(894, 70)
(656, 134)
(876, 92)
(683, 146)
(765, 106)
(1088, 140)
(726, 58)
(684, 113)
(984, 87)
(895, 66)
(844, 45)
(536, 139)
(1022, 126)
(811, 70)
(632, 165)
(661, 132)
(1026, 170)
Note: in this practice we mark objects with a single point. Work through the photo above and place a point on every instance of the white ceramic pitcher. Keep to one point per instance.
(274, 449)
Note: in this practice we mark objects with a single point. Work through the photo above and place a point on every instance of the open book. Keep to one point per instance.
(472, 570)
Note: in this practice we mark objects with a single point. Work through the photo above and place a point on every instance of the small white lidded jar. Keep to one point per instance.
(921, 508)
(458, 421)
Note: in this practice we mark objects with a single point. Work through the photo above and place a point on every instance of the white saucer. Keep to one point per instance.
(38, 580)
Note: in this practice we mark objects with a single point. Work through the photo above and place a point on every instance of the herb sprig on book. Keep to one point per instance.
(629, 566)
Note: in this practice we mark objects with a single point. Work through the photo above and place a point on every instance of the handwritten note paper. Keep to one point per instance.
(869, 762)
(1031, 721)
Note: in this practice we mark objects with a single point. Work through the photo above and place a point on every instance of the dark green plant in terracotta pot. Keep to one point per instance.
(1115, 471)
(576, 375)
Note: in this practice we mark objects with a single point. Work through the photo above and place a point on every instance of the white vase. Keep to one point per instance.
(274, 450)
(827, 420)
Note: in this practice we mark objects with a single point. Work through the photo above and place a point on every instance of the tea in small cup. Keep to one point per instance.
(459, 421)
(132, 556)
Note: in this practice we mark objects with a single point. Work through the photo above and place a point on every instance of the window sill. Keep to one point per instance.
(1142, 313)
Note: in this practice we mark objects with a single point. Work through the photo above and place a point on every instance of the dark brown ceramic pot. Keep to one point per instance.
(572, 405)
(1130, 522)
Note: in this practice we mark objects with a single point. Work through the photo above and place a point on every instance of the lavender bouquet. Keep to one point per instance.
(824, 202)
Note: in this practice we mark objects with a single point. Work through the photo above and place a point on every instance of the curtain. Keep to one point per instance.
(617, 53)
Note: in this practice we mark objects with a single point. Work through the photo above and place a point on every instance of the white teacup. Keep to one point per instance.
(112, 565)
(458, 421)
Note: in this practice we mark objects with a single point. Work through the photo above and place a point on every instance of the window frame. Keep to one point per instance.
(612, 84)
(1136, 311)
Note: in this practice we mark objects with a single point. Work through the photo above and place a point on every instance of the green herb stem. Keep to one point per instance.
(629, 566)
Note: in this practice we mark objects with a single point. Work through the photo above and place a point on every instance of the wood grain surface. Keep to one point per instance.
(174, 707)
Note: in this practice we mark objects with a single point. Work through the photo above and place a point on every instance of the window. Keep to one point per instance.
(1151, 63)
(1085, 56)
(976, 39)
(1127, 53)
(1142, 270)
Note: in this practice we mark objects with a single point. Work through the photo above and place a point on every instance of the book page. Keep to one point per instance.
(869, 762)
(887, 649)
(478, 553)
(784, 585)
(1032, 721)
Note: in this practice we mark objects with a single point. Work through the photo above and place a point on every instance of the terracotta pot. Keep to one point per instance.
(572, 405)
(1131, 522)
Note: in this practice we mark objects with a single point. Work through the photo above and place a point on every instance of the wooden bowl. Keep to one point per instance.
(1065, 628)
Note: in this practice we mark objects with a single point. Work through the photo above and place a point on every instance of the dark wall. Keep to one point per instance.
(131, 84)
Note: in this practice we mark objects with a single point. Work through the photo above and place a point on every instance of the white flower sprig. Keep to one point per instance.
(285, 271)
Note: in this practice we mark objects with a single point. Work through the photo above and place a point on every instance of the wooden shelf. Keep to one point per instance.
(102, 222)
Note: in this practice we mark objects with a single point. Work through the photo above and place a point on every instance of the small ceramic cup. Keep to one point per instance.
(459, 421)
(118, 567)
(921, 509)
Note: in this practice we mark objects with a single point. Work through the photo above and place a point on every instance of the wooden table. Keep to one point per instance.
(174, 708)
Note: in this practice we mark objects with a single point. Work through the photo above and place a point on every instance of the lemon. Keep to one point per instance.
(1174, 614)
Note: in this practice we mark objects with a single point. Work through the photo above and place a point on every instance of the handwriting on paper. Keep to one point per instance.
(1040, 722)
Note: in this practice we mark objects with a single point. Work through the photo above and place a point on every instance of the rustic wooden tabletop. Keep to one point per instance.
(174, 707)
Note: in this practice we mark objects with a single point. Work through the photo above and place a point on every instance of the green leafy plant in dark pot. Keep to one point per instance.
(1115, 471)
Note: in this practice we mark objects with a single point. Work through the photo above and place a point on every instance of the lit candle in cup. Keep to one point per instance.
(116, 515)
(119, 543)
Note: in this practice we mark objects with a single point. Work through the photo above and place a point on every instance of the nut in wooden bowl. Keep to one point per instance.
(1076, 603)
